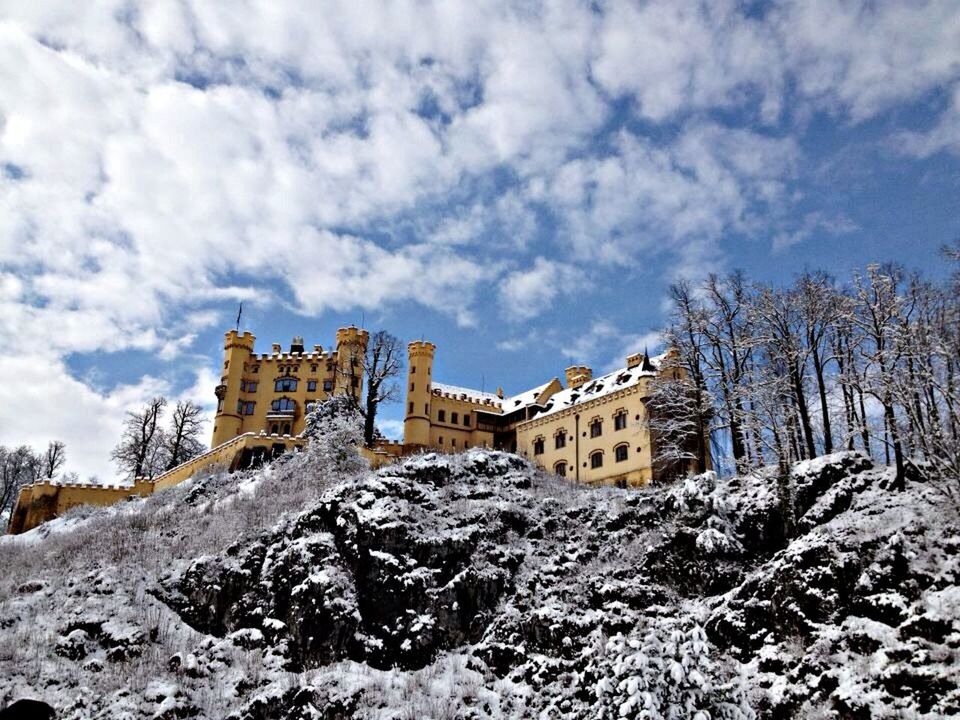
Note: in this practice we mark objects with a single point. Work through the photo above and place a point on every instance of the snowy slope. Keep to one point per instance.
(472, 586)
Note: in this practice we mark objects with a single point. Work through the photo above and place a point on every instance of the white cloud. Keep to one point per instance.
(524, 294)
(944, 135)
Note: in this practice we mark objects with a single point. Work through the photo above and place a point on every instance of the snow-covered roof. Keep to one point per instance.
(456, 391)
(526, 398)
(598, 388)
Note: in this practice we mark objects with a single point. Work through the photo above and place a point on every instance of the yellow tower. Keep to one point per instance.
(416, 422)
(237, 350)
(351, 347)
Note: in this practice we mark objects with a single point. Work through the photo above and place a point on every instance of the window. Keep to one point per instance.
(596, 460)
(327, 385)
(313, 368)
(440, 440)
(596, 428)
(245, 408)
(620, 452)
(239, 407)
(538, 446)
(274, 429)
(466, 445)
(410, 409)
(466, 420)
(256, 368)
(251, 385)
(560, 440)
(311, 385)
(620, 420)
(412, 387)
(220, 405)
(441, 415)
(286, 428)
(283, 405)
(454, 418)
(453, 442)
(285, 385)
(413, 369)
(560, 469)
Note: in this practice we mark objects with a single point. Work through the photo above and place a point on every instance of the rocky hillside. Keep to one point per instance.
(472, 586)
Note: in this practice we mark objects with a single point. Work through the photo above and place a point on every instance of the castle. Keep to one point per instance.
(593, 430)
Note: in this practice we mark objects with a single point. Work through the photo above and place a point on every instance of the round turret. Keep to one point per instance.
(416, 422)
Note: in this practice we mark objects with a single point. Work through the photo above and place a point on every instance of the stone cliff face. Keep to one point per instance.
(472, 586)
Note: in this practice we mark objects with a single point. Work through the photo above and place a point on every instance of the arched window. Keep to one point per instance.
(560, 469)
(620, 420)
(596, 427)
(283, 404)
(286, 428)
(285, 384)
(560, 439)
(596, 459)
(621, 452)
(274, 429)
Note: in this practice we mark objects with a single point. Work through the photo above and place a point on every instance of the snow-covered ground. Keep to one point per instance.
(472, 586)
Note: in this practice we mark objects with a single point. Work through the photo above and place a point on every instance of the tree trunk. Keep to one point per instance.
(824, 409)
(802, 409)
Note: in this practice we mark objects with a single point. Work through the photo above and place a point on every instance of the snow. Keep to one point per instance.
(471, 394)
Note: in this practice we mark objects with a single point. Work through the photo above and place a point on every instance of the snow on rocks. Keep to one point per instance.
(474, 586)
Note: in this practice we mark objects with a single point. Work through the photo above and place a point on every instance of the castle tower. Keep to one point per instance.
(416, 422)
(237, 350)
(351, 347)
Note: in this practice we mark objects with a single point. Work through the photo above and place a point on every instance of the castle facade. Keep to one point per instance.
(269, 393)
(593, 430)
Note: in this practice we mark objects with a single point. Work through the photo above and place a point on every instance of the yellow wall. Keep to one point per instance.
(242, 366)
(44, 501)
(635, 470)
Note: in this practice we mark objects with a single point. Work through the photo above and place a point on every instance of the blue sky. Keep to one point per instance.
(518, 183)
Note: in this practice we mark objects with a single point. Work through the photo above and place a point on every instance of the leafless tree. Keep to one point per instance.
(381, 364)
(54, 458)
(138, 452)
(678, 416)
(182, 441)
(18, 467)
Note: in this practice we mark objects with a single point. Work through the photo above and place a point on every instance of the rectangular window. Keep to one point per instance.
(327, 385)
(538, 446)
(466, 420)
(466, 445)
(251, 385)
(412, 387)
(596, 430)
(256, 368)
(313, 368)
(410, 410)
(560, 440)
(454, 417)
(413, 369)
(239, 407)
(311, 385)
(620, 421)
(453, 442)
(440, 440)
(441, 415)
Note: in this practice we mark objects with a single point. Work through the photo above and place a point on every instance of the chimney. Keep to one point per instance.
(577, 375)
(500, 393)
(318, 350)
(296, 345)
(276, 348)
(634, 360)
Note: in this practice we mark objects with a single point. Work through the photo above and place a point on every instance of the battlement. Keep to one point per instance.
(419, 348)
(233, 339)
(352, 336)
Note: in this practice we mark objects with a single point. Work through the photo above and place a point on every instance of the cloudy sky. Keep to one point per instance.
(518, 182)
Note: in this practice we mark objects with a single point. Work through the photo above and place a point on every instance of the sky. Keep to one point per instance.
(517, 182)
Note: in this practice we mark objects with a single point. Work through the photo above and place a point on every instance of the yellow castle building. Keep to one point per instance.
(594, 430)
(269, 393)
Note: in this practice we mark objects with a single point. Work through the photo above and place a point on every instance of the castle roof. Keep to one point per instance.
(471, 394)
(526, 398)
(598, 387)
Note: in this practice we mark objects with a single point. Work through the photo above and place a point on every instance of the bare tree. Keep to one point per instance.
(138, 452)
(54, 458)
(678, 417)
(182, 441)
(380, 365)
(18, 467)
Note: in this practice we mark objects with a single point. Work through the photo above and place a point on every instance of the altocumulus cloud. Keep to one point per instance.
(402, 144)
